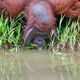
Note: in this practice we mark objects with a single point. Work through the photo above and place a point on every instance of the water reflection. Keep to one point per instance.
(39, 65)
(29, 65)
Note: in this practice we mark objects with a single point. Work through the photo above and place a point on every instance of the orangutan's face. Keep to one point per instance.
(39, 39)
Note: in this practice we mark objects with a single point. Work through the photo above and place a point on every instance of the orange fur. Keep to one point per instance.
(49, 8)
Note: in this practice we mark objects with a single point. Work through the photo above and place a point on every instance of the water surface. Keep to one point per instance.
(38, 65)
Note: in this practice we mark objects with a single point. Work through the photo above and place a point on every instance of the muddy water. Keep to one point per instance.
(38, 67)
(29, 65)
(32, 65)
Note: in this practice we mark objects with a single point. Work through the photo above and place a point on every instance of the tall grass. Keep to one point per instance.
(68, 34)
(11, 35)
(10, 32)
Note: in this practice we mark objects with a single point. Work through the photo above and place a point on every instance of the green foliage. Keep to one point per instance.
(10, 32)
(11, 35)
(69, 34)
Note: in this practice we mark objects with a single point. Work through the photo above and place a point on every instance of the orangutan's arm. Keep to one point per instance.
(74, 11)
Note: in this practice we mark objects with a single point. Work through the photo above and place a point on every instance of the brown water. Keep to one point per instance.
(32, 65)
(29, 65)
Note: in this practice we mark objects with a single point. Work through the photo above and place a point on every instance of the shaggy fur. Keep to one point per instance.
(40, 13)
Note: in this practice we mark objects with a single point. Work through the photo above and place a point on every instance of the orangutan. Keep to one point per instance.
(40, 14)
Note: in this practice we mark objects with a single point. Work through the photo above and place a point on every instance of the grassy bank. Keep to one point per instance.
(68, 35)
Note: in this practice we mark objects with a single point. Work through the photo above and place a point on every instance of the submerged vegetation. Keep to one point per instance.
(67, 65)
